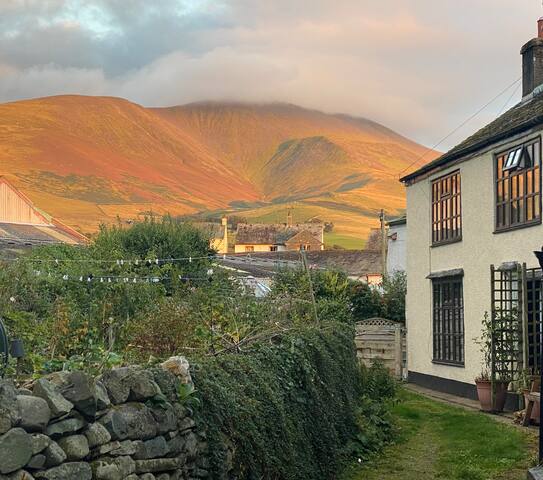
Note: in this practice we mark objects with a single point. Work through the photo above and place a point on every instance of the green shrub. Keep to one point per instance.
(374, 420)
(69, 323)
(377, 382)
(284, 410)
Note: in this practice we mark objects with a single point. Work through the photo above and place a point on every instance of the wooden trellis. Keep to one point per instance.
(533, 318)
(507, 326)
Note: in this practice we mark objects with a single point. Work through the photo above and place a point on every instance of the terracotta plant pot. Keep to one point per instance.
(484, 393)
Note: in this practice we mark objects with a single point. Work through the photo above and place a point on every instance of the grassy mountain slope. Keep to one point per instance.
(86, 159)
(91, 159)
(335, 167)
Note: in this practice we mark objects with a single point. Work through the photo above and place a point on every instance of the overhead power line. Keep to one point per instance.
(418, 159)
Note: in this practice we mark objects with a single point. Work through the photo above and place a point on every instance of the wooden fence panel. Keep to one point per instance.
(384, 340)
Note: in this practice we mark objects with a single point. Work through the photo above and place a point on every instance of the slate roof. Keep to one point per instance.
(523, 116)
(355, 263)
(215, 230)
(274, 234)
(304, 236)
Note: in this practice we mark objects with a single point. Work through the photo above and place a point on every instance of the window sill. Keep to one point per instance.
(448, 242)
(517, 227)
(448, 364)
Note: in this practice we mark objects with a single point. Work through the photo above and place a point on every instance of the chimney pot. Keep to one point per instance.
(532, 62)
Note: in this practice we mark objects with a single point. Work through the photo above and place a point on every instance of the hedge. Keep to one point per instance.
(285, 410)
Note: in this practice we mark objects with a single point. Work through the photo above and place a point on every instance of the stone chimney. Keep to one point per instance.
(224, 222)
(532, 62)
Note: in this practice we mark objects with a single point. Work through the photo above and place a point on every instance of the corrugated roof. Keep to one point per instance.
(397, 221)
(28, 235)
(523, 116)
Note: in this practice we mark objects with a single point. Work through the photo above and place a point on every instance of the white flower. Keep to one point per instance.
(12, 299)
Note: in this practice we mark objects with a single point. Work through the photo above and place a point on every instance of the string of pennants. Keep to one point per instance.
(159, 261)
(124, 279)
(121, 261)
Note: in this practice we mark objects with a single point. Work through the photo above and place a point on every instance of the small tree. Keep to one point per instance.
(394, 292)
(367, 302)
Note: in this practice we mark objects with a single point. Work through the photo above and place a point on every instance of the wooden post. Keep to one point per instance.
(313, 301)
(492, 353)
(523, 307)
(383, 242)
(398, 360)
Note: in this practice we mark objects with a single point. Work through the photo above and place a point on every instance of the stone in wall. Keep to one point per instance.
(125, 425)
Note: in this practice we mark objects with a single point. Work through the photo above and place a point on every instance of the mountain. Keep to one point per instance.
(88, 160)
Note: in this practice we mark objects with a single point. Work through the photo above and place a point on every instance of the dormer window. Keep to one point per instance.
(518, 158)
(518, 186)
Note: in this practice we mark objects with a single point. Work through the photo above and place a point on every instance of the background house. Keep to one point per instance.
(221, 239)
(23, 225)
(260, 237)
(397, 245)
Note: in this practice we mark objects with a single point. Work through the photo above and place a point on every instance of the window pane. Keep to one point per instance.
(446, 209)
(448, 321)
(518, 188)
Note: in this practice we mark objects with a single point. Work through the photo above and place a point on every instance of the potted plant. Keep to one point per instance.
(484, 380)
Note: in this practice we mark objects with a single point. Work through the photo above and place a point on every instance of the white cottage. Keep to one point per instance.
(474, 223)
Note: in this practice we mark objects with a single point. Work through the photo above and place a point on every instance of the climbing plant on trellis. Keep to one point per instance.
(507, 332)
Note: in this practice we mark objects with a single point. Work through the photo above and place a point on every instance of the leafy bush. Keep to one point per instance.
(394, 292)
(332, 291)
(388, 301)
(377, 382)
(284, 410)
(375, 424)
(367, 302)
(62, 322)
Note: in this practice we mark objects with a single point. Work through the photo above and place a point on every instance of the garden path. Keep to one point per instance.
(437, 441)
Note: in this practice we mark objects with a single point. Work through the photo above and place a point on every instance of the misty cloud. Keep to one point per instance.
(420, 67)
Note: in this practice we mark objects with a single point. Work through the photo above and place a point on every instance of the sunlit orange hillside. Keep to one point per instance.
(90, 159)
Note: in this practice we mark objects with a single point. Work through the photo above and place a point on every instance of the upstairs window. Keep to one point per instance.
(518, 186)
(446, 209)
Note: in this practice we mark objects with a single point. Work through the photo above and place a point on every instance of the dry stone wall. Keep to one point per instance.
(127, 424)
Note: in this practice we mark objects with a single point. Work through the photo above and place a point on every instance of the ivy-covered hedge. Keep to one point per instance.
(286, 410)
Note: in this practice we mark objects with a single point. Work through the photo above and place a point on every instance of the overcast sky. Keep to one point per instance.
(420, 67)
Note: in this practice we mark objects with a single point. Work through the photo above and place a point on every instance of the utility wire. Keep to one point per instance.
(460, 126)
(509, 99)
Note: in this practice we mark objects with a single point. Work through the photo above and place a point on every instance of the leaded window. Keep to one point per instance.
(448, 320)
(518, 186)
(446, 209)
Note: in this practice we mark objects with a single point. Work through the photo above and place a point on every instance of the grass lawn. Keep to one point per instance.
(438, 441)
(345, 241)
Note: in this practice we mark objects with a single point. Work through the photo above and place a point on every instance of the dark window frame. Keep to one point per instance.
(448, 332)
(446, 204)
(517, 191)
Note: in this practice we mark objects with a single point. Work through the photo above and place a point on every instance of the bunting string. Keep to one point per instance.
(124, 279)
(156, 261)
